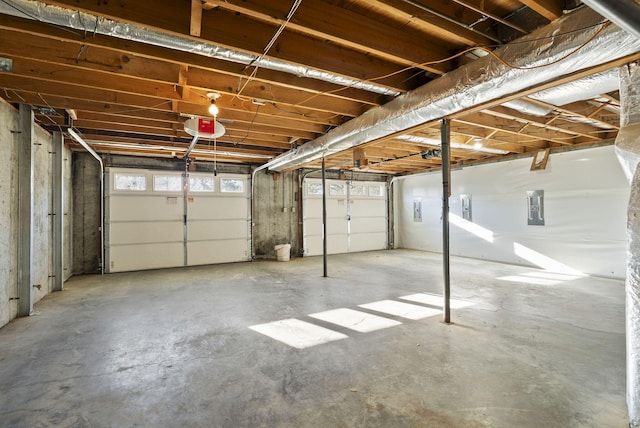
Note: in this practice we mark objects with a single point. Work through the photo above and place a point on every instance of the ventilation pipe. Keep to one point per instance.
(580, 90)
(86, 22)
(626, 14)
(480, 82)
(628, 151)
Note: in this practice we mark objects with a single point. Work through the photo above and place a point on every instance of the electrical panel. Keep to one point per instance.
(417, 210)
(465, 205)
(535, 207)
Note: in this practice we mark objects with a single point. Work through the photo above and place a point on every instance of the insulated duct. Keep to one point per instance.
(628, 151)
(434, 142)
(56, 15)
(580, 90)
(527, 107)
(481, 81)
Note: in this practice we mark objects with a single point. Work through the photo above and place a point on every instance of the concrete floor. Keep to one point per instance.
(173, 348)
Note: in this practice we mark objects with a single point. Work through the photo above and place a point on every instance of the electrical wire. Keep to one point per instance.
(602, 25)
(249, 127)
(281, 28)
(267, 48)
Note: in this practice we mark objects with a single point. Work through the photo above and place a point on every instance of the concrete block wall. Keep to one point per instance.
(8, 213)
(276, 212)
(42, 231)
(86, 214)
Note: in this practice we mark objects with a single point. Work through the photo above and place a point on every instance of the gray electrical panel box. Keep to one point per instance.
(535, 207)
(417, 210)
(465, 206)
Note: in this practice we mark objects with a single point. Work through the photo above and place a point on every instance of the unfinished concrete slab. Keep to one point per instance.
(174, 347)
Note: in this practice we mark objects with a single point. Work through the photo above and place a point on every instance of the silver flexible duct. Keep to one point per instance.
(94, 24)
(579, 90)
(527, 107)
(481, 81)
(628, 151)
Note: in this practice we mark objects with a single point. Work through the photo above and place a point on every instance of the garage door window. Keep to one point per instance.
(376, 190)
(337, 189)
(358, 189)
(202, 184)
(167, 183)
(232, 185)
(133, 182)
(314, 189)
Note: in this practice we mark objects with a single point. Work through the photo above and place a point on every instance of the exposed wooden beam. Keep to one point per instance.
(195, 27)
(346, 28)
(124, 54)
(432, 23)
(243, 33)
(550, 9)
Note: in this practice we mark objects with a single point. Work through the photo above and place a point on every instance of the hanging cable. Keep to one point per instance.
(603, 26)
(292, 11)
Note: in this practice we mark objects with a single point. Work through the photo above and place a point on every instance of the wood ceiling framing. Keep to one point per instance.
(132, 97)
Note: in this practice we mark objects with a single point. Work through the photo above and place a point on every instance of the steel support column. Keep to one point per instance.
(57, 191)
(25, 210)
(324, 220)
(445, 133)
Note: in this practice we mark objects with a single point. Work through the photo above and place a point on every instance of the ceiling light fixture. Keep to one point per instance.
(213, 108)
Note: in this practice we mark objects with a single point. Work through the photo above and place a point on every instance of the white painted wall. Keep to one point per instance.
(586, 197)
(42, 223)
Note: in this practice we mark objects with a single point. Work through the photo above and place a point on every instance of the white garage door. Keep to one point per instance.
(356, 216)
(159, 219)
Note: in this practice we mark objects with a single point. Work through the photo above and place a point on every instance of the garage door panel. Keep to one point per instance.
(365, 207)
(355, 222)
(146, 256)
(313, 207)
(214, 208)
(368, 241)
(219, 229)
(313, 226)
(336, 244)
(146, 233)
(222, 251)
(147, 213)
(336, 227)
(145, 207)
(368, 224)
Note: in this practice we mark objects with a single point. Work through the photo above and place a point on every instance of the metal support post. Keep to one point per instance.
(445, 133)
(324, 220)
(185, 213)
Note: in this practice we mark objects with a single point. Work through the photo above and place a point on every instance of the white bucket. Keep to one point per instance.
(282, 252)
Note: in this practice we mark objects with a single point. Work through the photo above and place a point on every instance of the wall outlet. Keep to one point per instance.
(285, 209)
